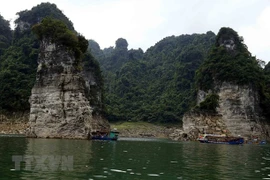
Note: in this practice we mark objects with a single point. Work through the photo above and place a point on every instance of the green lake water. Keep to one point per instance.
(130, 159)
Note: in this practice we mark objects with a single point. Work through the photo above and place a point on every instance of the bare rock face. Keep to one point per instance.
(60, 107)
(238, 114)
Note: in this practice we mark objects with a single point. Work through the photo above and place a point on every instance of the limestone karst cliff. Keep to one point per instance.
(238, 113)
(60, 105)
(232, 75)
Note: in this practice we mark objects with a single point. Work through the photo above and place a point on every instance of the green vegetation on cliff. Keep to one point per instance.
(5, 35)
(160, 84)
(28, 18)
(57, 32)
(96, 94)
(229, 60)
(265, 91)
(209, 104)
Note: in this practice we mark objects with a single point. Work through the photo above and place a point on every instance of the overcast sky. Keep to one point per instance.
(144, 22)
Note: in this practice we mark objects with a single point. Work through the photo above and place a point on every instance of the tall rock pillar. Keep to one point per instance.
(60, 107)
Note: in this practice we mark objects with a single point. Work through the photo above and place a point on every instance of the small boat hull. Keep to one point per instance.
(105, 136)
(216, 139)
(238, 141)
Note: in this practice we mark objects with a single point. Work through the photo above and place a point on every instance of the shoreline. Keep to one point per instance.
(144, 129)
(126, 129)
(13, 127)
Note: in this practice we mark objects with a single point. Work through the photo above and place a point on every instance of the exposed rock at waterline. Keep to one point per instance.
(238, 114)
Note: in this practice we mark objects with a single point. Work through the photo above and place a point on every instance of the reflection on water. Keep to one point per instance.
(134, 159)
(9, 147)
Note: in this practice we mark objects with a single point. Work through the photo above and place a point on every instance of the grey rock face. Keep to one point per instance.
(93, 91)
(229, 44)
(23, 26)
(238, 114)
(60, 107)
(239, 107)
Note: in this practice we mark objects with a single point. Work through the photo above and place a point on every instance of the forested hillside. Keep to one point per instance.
(155, 86)
(158, 85)
(265, 91)
(19, 53)
(5, 35)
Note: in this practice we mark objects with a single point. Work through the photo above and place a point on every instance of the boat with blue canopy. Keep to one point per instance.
(111, 135)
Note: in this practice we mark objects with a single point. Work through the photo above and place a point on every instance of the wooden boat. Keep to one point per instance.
(220, 139)
(111, 136)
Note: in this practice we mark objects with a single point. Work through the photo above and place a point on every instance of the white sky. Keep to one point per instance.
(144, 22)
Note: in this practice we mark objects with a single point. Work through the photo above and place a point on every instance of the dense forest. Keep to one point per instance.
(158, 85)
(19, 52)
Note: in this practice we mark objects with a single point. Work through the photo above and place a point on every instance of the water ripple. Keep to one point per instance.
(266, 158)
(118, 170)
(100, 176)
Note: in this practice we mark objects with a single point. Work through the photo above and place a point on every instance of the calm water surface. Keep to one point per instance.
(132, 159)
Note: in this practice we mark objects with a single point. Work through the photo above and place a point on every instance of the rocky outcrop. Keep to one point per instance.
(93, 89)
(23, 26)
(60, 107)
(228, 99)
(238, 113)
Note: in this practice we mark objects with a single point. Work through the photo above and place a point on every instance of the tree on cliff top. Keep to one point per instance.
(37, 13)
(5, 34)
(230, 61)
(19, 54)
(57, 32)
